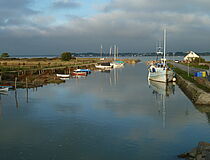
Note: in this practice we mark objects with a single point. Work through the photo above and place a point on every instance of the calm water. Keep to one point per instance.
(106, 116)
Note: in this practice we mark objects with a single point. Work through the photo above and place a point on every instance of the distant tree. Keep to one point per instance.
(66, 56)
(4, 55)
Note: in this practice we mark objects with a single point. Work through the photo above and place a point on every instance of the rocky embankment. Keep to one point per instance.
(201, 152)
(197, 95)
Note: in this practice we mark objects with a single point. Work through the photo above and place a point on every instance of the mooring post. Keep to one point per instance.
(26, 82)
(26, 89)
(15, 83)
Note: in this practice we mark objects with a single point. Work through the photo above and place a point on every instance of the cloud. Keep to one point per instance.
(61, 4)
(15, 12)
(134, 25)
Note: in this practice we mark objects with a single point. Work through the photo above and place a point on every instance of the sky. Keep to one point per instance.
(50, 27)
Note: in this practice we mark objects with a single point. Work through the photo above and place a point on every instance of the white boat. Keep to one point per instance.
(160, 71)
(4, 89)
(63, 75)
(115, 63)
(104, 66)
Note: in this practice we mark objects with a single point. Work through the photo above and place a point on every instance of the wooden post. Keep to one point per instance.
(26, 82)
(15, 83)
(26, 89)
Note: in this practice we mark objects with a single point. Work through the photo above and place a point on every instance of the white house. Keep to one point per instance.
(191, 56)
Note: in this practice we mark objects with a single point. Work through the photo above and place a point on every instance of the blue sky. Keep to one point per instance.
(53, 26)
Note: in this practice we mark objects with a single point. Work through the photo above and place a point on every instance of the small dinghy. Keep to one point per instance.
(4, 89)
(63, 75)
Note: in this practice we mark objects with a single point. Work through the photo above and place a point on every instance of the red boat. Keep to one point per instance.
(79, 73)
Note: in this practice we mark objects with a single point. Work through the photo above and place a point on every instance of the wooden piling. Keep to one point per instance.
(15, 83)
(26, 82)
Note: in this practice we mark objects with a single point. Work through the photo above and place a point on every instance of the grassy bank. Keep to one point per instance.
(196, 65)
(41, 71)
(190, 78)
(17, 64)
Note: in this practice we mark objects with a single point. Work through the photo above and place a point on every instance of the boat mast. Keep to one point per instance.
(115, 49)
(164, 48)
(110, 51)
(101, 50)
(117, 52)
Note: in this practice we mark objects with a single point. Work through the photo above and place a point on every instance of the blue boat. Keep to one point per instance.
(88, 71)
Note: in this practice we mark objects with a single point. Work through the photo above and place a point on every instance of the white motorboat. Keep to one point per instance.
(63, 75)
(4, 89)
(160, 71)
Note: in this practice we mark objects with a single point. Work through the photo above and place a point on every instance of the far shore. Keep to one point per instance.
(34, 72)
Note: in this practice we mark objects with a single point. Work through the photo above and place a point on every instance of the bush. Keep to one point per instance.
(198, 60)
(4, 55)
(66, 56)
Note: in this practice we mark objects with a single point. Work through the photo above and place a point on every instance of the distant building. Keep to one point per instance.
(191, 56)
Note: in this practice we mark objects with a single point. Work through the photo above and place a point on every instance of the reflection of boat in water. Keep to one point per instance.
(161, 91)
(165, 89)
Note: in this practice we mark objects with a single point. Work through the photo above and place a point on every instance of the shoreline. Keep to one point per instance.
(36, 72)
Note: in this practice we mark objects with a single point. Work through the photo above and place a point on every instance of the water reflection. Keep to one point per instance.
(165, 89)
(80, 118)
(161, 91)
(204, 109)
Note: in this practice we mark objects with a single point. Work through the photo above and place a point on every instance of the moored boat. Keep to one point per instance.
(76, 73)
(88, 71)
(104, 65)
(117, 64)
(63, 75)
(4, 89)
(160, 71)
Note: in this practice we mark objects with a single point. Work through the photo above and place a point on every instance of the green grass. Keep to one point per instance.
(196, 65)
(190, 78)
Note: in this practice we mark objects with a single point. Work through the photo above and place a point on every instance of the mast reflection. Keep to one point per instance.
(161, 92)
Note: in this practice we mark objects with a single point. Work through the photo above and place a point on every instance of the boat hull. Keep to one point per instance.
(79, 73)
(103, 67)
(4, 89)
(117, 65)
(63, 75)
(161, 76)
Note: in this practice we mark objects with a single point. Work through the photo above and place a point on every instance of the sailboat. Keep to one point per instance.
(103, 65)
(115, 63)
(160, 71)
